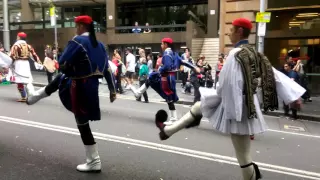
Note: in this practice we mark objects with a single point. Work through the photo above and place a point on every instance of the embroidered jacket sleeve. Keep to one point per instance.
(14, 54)
(34, 54)
(108, 75)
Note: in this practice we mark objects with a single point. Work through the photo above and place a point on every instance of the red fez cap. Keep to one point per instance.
(242, 22)
(83, 19)
(22, 35)
(167, 40)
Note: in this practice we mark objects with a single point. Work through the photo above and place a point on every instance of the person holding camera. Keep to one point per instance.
(199, 79)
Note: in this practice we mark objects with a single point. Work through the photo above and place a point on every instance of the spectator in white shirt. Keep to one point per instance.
(150, 63)
(130, 65)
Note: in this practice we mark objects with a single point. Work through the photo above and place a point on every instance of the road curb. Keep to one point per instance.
(302, 116)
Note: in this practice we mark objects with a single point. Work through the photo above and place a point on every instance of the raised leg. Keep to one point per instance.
(242, 145)
(93, 162)
(45, 91)
(191, 119)
(138, 92)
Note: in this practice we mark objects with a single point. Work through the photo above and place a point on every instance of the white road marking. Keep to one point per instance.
(165, 148)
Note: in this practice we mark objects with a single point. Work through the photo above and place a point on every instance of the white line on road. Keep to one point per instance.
(165, 148)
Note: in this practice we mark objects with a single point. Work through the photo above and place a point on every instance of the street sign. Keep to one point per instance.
(263, 17)
(53, 16)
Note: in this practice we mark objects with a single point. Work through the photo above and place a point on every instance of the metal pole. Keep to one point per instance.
(6, 32)
(56, 36)
(261, 38)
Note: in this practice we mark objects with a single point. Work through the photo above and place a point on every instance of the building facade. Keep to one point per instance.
(294, 30)
(181, 20)
(201, 25)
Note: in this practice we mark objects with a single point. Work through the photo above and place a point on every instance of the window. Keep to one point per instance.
(69, 15)
(47, 13)
(37, 13)
(156, 15)
(15, 15)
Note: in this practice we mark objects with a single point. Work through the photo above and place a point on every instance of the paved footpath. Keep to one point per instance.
(310, 110)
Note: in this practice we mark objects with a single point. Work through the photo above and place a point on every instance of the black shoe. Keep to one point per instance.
(161, 117)
(294, 114)
(256, 170)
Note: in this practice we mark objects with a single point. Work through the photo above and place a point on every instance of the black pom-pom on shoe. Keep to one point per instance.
(161, 117)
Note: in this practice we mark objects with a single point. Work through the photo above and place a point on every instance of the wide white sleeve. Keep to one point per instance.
(230, 88)
(287, 89)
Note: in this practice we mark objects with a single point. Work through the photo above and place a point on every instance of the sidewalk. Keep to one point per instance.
(310, 110)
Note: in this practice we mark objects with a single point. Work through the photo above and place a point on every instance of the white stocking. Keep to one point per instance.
(30, 89)
(183, 122)
(242, 145)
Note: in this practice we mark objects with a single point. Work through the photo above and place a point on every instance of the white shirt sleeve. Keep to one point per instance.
(231, 84)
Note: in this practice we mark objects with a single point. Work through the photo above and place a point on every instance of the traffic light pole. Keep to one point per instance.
(261, 38)
(6, 32)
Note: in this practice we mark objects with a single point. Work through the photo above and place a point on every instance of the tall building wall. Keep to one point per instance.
(232, 9)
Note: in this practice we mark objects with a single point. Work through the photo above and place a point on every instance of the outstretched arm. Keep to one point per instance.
(108, 75)
(190, 65)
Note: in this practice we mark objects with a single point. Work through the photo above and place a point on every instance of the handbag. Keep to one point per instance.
(56, 64)
(113, 67)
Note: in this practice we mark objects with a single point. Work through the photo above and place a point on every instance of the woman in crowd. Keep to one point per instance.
(199, 79)
(50, 64)
(303, 80)
(150, 63)
(219, 68)
(296, 105)
(116, 59)
(143, 76)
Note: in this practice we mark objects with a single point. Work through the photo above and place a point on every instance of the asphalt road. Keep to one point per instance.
(41, 142)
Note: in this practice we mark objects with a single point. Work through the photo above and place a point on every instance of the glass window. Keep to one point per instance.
(130, 15)
(71, 13)
(37, 13)
(58, 13)
(15, 15)
(156, 15)
(48, 26)
(295, 21)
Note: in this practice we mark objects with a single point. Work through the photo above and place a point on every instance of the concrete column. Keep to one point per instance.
(222, 25)
(111, 15)
(26, 14)
(213, 16)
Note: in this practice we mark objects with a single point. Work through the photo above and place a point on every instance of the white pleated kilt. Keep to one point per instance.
(22, 72)
(212, 109)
